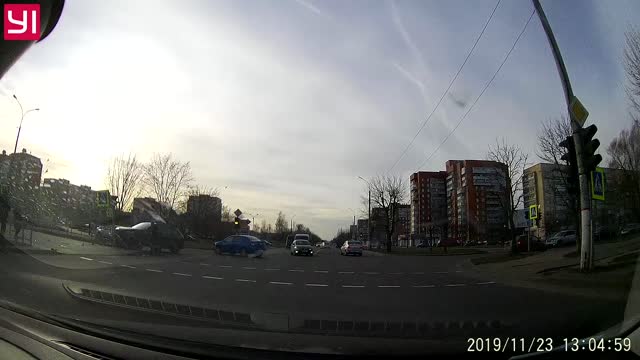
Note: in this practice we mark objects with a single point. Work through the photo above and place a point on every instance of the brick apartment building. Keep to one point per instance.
(21, 169)
(476, 191)
(428, 208)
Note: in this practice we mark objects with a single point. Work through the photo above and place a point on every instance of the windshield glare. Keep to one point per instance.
(356, 177)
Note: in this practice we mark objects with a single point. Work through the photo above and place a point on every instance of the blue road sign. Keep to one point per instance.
(597, 184)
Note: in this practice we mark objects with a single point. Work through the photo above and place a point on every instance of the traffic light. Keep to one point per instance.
(572, 161)
(589, 146)
(236, 222)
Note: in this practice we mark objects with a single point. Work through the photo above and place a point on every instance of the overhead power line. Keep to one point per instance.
(481, 93)
(424, 123)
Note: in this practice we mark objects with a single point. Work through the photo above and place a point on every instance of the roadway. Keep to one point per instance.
(325, 286)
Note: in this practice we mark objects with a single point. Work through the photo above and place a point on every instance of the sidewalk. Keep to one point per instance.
(615, 265)
(40, 243)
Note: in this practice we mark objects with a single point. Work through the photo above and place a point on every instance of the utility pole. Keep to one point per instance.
(586, 251)
(22, 115)
(369, 212)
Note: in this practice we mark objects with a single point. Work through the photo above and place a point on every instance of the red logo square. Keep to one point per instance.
(21, 21)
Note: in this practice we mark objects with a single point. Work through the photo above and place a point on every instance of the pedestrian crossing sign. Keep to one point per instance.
(597, 184)
(533, 212)
(102, 198)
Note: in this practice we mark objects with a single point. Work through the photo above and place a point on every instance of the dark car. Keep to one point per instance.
(105, 234)
(243, 245)
(301, 247)
(533, 242)
(141, 235)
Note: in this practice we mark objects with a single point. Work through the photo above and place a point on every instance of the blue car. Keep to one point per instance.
(243, 245)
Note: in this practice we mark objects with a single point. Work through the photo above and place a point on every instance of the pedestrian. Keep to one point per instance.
(4, 214)
(17, 223)
(154, 238)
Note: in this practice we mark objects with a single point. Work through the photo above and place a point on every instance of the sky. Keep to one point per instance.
(284, 104)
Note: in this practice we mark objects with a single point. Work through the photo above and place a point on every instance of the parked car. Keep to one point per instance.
(105, 234)
(301, 247)
(351, 247)
(140, 235)
(631, 228)
(243, 245)
(562, 238)
(532, 243)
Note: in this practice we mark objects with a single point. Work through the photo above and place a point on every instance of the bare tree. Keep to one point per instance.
(167, 179)
(124, 180)
(263, 226)
(624, 153)
(551, 134)
(509, 185)
(281, 224)
(226, 213)
(387, 193)
(631, 61)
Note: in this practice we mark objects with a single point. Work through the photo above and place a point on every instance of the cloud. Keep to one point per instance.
(309, 6)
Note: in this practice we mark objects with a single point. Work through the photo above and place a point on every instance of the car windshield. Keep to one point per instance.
(357, 177)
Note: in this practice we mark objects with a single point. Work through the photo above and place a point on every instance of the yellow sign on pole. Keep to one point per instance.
(578, 111)
(533, 212)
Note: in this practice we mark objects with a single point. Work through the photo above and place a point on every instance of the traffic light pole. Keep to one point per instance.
(586, 250)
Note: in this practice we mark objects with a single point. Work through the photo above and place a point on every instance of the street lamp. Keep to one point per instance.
(253, 220)
(22, 115)
(369, 215)
(293, 217)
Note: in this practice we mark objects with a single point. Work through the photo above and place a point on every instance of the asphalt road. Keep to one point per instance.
(325, 286)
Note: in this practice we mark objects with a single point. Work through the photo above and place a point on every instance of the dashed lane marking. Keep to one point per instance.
(86, 258)
(280, 283)
(396, 273)
(128, 266)
(486, 283)
(345, 272)
(271, 269)
(154, 270)
(418, 273)
(225, 266)
(352, 286)
(423, 286)
(388, 286)
(181, 274)
(455, 285)
(245, 280)
(321, 271)
(105, 262)
(441, 272)
(204, 264)
(248, 268)
(212, 277)
(371, 272)
(296, 270)
(316, 285)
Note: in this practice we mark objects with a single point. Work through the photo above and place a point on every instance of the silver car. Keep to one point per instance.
(562, 238)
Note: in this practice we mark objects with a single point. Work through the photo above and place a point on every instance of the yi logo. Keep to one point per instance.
(21, 22)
